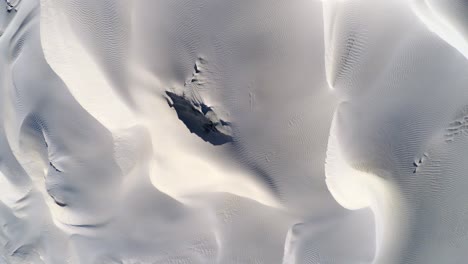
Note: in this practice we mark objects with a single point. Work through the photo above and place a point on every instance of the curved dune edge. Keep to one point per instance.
(356, 189)
(99, 163)
(438, 23)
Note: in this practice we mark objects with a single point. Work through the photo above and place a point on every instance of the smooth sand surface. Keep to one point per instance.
(233, 132)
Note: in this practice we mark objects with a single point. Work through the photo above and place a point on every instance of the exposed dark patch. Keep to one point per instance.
(53, 166)
(201, 120)
(11, 6)
(197, 70)
(59, 203)
(90, 226)
(419, 162)
(58, 193)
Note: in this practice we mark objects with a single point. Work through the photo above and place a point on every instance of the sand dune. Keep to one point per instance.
(233, 132)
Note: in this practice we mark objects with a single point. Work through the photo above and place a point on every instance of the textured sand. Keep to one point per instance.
(233, 132)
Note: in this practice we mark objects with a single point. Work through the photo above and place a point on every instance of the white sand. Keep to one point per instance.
(233, 132)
